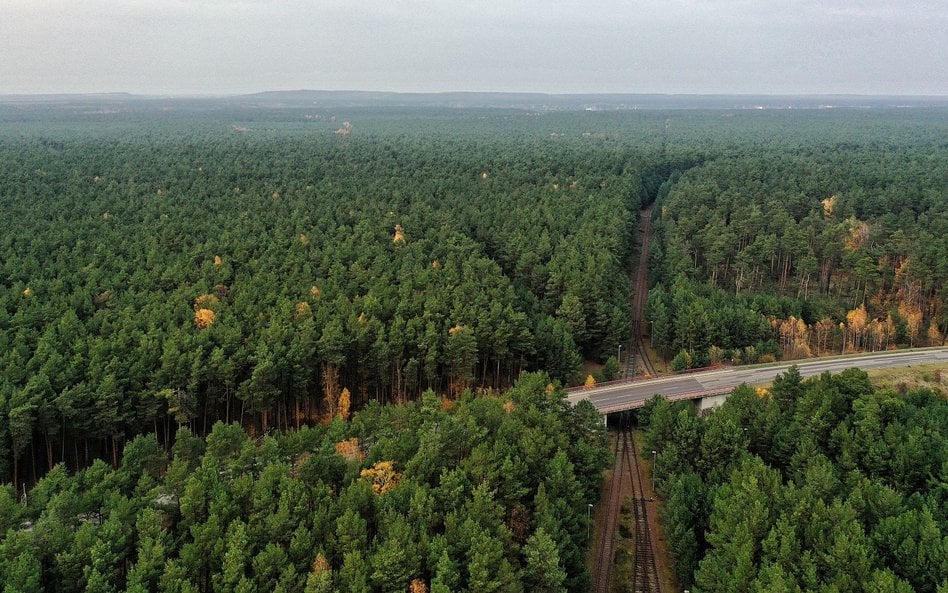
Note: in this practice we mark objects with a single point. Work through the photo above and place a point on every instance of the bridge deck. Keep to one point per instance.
(627, 395)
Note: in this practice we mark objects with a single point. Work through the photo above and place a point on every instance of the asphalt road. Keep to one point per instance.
(620, 396)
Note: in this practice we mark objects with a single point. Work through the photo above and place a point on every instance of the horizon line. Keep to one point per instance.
(467, 92)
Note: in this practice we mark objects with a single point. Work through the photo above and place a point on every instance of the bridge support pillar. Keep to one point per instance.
(706, 404)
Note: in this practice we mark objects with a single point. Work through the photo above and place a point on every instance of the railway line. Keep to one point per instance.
(638, 357)
(644, 574)
(626, 481)
(607, 542)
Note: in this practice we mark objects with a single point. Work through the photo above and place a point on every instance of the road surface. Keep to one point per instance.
(626, 395)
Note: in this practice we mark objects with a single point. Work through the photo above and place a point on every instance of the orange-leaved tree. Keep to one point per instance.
(350, 449)
(203, 318)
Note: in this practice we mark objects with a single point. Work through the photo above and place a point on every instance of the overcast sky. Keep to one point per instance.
(625, 46)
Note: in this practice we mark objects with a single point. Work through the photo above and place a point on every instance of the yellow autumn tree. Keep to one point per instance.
(301, 310)
(877, 332)
(418, 586)
(801, 348)
(345, 398)
(382, 476)
(913, 319)
(399, 237)
(934, 335)
(218, 261)
(315, 292)
(206, 301)
(857, 321)
(304, 240)
(799, 339)
(203, 318)
(590, 382)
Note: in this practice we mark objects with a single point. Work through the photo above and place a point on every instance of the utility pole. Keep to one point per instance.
(589, 509)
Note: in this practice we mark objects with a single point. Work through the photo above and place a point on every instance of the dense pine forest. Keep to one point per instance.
(292, 348)
(795, 250)
(179, 263)
(475, 494)
(824, 484)
(182, 275)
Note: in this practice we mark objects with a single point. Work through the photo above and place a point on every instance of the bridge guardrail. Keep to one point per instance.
(857, 355)
(638, 379)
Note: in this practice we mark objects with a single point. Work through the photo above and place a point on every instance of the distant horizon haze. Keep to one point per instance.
(524, 93)
(677, 47)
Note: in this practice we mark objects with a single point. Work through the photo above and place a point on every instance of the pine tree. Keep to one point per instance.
(542, 570)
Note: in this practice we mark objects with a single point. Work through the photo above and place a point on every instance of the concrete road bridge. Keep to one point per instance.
(709, 388)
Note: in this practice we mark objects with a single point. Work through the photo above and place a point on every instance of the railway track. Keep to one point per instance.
(645, 573)
(637, 351)
(608, 540)
(627, 480)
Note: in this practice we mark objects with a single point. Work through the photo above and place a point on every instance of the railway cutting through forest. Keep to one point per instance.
(637, 362)
(626, 483)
